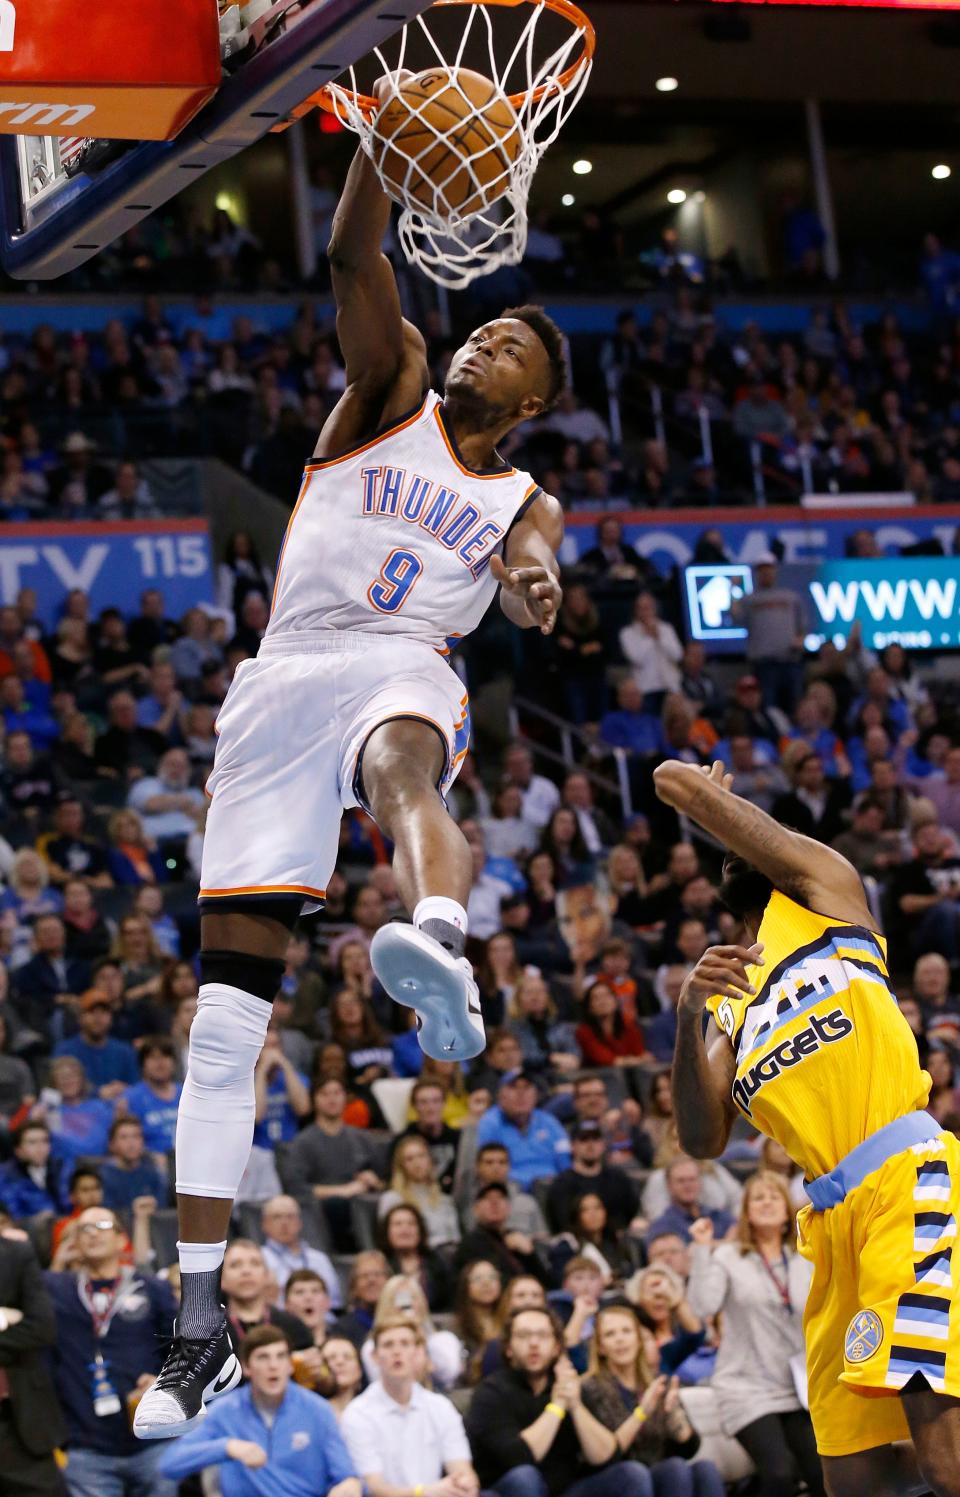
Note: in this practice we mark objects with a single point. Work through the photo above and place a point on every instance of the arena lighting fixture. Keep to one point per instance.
(666, 85)
(676, 195)
(941, 172)
(582, 168)
(568, 200)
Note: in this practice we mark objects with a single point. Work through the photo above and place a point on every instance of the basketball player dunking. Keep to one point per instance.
(406, 524)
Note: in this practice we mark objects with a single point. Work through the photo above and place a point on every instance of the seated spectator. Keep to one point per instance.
(132, 857)
(562, 838)
(414, 1183)
(589, 1234)
(489, 1239)
(759, 1283)
(241, 571)
(498, 975)
(70, 852)
(270, 1420)
(402, 1236)
(932, 986)
(582, 1282)
(99, 1365)
(368, 1276)
(306, 1296)
(285, 1251)
(130, 498)
(626, 1139)
(630, 726)
(133, 1018)
(17, 1086)
(404, 1299)
(155, 1098)
(140, 960)
(491, 1165)
(659, 1295)
(642, 1407)
(547, 1045)
(604, 1036)
(109, 1064)
(148, 903)
(169, 805)
(684, 1183)
(33, 1180)
(79, 1122)
(329, 1160)
(923, 897)
(540, 795)
(49, 983)
(151, 630)
(195, 651)
(354, 1028)
(248, 1290)
(535, 1140)
(346, 1370)
(589, 1173)
(127, 1173)
(29, 894)
(124, 750)
(84, 1189)
(427, 1100)
(87, 933)
(529, 1430)
(426, 1447)
(505, 832)
(815, 805)
(29, 782)
(520, 1293)
(872, 850)
(479, 1290)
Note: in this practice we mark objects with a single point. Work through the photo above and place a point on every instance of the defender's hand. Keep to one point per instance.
(535, 586)
(721, 970)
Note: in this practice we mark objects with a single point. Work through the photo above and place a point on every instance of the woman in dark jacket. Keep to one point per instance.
(402, 1238)
(644, 1411)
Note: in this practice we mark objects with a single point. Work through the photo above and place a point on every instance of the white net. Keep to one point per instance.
(464, 185)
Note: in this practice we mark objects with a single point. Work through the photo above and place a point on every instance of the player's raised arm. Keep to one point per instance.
(369, 320)
(529, 572)
(815, 875)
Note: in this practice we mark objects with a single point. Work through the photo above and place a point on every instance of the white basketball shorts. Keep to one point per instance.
(291, 735)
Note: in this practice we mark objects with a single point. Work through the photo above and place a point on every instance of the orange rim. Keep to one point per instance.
(368, 106)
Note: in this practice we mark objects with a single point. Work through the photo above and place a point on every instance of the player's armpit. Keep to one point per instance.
(814, 875)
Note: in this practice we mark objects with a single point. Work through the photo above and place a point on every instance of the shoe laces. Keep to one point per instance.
(185, 1357)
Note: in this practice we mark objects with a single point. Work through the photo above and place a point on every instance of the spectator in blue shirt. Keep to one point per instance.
(536, 1141)
(271, 1438)
(127, 1174)
(110, 1065)
(154, 1099)
(683, 1183)
(33, 1180)
(629, 727)
(79, 1122)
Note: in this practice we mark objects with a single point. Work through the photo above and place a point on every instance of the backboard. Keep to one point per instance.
(59, 205)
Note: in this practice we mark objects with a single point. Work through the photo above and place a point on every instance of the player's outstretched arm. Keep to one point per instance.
(528, 572)
(369, 320)
(816, 876)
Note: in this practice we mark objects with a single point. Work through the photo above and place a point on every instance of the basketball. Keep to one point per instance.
(447, 139)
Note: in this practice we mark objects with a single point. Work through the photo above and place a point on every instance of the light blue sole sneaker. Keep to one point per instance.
(419, 973)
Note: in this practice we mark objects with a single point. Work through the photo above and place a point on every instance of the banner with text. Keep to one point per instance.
(112, 563)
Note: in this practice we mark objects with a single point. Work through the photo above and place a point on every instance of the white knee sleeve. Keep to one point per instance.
(216, 1117)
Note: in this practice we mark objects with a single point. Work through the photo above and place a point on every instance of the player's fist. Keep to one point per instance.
(721, 971)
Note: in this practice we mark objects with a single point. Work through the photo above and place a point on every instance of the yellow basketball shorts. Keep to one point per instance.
(884, 1302)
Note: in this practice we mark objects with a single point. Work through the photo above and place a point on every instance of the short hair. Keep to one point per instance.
(580, 1263)
(123, 1122)
(84, 1172)
(492, 1148)
(156, 1044)
(305, 1276)
(552, 339)
(262, 1335)
(324, 1079)
(32, 1125)
(426, 1084)
(552, 1317)
(744, 890)
(398, 1323)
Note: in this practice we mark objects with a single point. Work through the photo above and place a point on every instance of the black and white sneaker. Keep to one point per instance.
(193, 1375)
(423, 975)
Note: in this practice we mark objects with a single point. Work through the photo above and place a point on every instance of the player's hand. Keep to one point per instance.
(248, 1453)
(718, 774)
(538, 589)
(722, 970)
(701, 1232)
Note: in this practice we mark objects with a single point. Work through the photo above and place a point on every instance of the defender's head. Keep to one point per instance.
(513, 367)
(744, 890)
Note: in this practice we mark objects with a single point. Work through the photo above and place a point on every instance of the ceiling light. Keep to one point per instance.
(941, 172)
(568, 200)
(666, 85)
(676, 195)
(582, 168)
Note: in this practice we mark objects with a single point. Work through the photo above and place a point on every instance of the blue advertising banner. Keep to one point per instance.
(112, 563)
(914, 602)
(668, 538)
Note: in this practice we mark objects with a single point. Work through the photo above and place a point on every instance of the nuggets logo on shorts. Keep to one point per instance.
(864, 1336)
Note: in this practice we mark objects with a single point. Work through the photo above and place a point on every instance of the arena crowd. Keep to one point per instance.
(508, 1278)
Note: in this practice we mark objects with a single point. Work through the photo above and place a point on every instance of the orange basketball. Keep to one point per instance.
(447, 140)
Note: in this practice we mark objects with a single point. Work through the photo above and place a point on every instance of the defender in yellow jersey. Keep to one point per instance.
(807, 1041)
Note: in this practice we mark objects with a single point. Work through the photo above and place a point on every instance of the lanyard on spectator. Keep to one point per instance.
(782, 1286)
(110, 1301)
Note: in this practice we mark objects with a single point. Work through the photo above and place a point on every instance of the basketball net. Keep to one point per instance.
(454, 248)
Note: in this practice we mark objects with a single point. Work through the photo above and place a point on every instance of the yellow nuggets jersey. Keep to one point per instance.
(827, 1065)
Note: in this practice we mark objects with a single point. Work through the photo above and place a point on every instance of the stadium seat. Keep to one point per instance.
(728, 1455)
(363, 1218)
(392, 1095)
(163, 1237)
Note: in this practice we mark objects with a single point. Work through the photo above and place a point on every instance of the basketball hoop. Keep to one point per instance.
(538, 66)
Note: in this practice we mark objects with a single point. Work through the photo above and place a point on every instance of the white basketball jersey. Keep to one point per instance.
(396, 537)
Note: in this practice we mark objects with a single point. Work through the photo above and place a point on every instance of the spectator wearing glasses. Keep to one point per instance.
(112, 1322)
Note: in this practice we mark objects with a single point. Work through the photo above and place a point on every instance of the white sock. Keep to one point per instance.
(200, 1257)
(437, 907)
